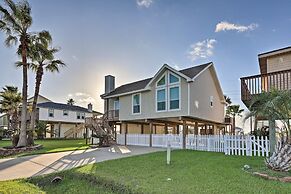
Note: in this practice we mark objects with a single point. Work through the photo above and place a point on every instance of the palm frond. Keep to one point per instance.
(11, 40)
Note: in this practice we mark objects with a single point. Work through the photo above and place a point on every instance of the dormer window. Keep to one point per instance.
(162, 81)
(173, 79)
(51, 112)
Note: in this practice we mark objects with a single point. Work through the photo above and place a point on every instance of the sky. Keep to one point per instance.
(132, 39)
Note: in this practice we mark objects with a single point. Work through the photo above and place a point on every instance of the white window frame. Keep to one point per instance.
(49, 111)
(170, 73)
(82, 114)
(67, 111)
(169, 101)
(166, 99)
(132, 96)
(164, 75)
(78, 114)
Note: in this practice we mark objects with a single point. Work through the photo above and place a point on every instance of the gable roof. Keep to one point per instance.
(141, 85)
(61, 106)
(39, 96)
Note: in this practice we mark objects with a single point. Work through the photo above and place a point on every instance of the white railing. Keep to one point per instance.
(229, 144)
(138, 139)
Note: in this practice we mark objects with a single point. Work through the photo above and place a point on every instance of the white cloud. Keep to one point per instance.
(144, 3)
(202, 49)
(82, 99)
(224, 26)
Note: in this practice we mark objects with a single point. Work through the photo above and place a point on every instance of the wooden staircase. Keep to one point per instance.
(72, 131)
(101, 129)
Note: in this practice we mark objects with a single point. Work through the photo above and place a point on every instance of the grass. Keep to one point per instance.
(190, 172)
(53, 145)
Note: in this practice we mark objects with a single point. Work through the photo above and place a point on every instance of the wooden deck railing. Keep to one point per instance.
(253, 85)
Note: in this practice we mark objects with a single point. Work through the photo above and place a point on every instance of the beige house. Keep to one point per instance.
(185, 101)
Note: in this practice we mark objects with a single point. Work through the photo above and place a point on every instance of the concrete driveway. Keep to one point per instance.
(27, 166)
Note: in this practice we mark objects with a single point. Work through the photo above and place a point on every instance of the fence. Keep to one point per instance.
(229, 144)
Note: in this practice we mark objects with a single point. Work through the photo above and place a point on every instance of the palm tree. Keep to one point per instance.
(71, 101)
(233, 111)
(15, 20)
(42, 58)
(276, 105)
(10, 101)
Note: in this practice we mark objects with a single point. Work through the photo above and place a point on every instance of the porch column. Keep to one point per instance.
(86, 135)
(142, 129)
(125, 135)
(196, 128)
(166, 128)
(184, 134)
(59, 132)
(151, 134)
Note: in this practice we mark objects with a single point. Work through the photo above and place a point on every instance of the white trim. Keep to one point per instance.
(211, 64)
(166, 99)
(169, 101)
(169, 83)
(161, 86)
(126, 93)
(138, 113)
(271, 53)
(189, 95)
(171, 69)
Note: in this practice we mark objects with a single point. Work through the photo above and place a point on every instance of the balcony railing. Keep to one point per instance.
(257, 84)
(113, 115)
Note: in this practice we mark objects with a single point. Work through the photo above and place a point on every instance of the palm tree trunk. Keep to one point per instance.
(233, 125)
(272, 135)
(22, 137)
(38, 79)
(8, 122)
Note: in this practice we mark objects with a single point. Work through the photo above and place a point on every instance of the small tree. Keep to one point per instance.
(71, 101)
(41, 129)
(276, 105)
(233, 111)
(10, 101)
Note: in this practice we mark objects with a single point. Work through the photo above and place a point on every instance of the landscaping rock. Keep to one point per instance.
(246, 167)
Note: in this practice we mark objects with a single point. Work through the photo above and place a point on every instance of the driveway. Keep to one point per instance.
(27, 166)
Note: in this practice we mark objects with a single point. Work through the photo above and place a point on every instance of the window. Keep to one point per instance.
(136, 103)
(211, 101)
(51, 112)
(116, 105)
(65, 112)
(82, 115)
(78, 115)
(162, 81)
(173, 78)
(174, 98)
(161, 99)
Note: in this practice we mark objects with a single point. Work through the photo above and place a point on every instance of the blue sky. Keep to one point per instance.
(132, 39)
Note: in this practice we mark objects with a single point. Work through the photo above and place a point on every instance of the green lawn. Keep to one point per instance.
(190, 172)
(53, 145)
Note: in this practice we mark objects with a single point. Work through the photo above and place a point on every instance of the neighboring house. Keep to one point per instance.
(63, 120)
(275, 73)
(189, 100)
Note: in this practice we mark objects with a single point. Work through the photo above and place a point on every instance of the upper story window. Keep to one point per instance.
(173, 79)
(136, 103)
(162, 81)
(65, 112)
(82, 115)
(51, 112)
(78, 115)
(174, 97)
(116, 105)
(161, 100)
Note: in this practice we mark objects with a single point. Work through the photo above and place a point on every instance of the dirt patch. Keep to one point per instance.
(8, 151)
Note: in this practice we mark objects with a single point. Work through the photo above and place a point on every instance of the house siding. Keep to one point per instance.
(148, 104)
(201, 89)
(279, 63)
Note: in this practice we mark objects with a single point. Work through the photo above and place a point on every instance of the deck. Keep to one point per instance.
(254, 85)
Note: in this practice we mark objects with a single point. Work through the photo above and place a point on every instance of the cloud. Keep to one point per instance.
(144, 3)
(224, 26)
(82, 98)
(202, 49)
